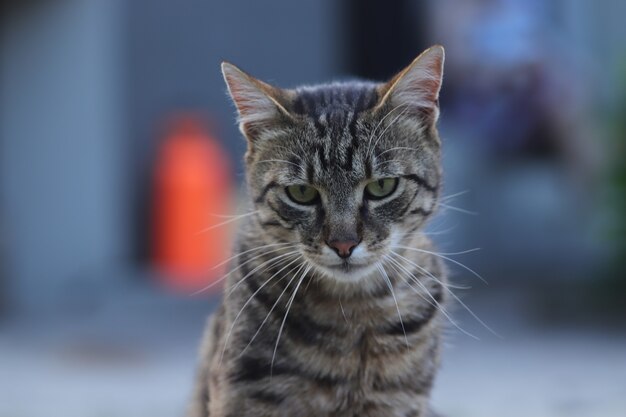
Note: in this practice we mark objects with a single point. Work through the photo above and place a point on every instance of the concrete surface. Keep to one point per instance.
(136, 358)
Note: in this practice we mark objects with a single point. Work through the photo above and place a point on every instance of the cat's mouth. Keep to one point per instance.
(351, 269)
(347, 271)
(347, 266)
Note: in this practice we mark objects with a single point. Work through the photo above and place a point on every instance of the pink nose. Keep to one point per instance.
(343, 248)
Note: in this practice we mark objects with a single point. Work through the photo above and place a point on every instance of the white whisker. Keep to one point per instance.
(234, 219)
(255, 249)
(393, 294)
(442, 256)
(282, 325)
(201, 290)
(311, 277)
(343, 312)
(432, 277)
(373, 148)
(452, 294)
(267, 281)
(265, 265)
(279, 160)
(298, 268)
(451, 196)
(373, 133)
(463, 252)
(439, 232)
(399, 148)
(434, 300)
(230, 216)
(429, 233)
(460, 210)
(388, 161)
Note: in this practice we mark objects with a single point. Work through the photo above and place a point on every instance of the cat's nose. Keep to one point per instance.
(343, 248)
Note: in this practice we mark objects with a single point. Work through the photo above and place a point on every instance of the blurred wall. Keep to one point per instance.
(62, 132)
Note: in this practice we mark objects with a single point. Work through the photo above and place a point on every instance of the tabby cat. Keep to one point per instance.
(333, 303)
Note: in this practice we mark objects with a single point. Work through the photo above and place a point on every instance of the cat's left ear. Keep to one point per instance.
(416, 88)
(261, 107)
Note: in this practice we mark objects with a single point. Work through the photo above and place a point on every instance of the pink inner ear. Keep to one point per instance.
(432, 85)
(255, 108)
(418, 86)
(427, 90)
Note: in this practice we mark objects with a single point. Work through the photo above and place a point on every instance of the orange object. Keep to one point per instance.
(193, 188)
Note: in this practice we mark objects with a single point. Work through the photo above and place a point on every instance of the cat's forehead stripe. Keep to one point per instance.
(334, 112)
(335, 99)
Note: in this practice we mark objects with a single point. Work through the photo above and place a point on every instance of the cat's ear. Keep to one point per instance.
(415, 89)
(260, 106)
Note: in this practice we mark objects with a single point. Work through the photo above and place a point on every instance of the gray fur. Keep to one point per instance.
(356, 339)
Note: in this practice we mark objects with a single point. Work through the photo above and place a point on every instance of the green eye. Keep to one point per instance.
(302, 194)
(381, 188)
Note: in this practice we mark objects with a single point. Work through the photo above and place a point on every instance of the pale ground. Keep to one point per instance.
(123, 362)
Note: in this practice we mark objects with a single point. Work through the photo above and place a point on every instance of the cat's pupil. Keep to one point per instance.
(302, 189)
(381, 183)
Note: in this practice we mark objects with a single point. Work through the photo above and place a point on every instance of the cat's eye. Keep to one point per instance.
(302, 194)
(381, 188)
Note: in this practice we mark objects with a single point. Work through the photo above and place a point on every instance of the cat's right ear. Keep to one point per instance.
(261, 107)
(415, 89)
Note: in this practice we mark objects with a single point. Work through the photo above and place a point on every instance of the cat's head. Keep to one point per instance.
(346, 170)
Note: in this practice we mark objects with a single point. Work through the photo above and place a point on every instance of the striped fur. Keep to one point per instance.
(301, 331)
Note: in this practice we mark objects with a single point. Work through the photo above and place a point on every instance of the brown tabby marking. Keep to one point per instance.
(333, 306)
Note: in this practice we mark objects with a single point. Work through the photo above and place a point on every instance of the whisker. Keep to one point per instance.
(430, 233)
(460, 210)
(282, 325)
(201, 290)
(234, 219)
(453, 295)
(371, 149)
(373, 133)
(253, 250)
(343, 312)
(451, 196)
(265, 265)
(298, 268)
(393, 264)
(439, 232)
(442, 256)
(311, 277)
(445, 284)
(292, 152)
(399, 148)
(434, 300)
(463, 252)
(279, 160)
(387, 161)
(381, 269)
(267, 281)
(230, 216)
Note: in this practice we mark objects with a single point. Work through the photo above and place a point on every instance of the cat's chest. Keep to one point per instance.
(353, 343)
(362, 369)
(359, 377)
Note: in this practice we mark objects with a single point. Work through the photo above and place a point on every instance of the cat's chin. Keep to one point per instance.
(347, 272)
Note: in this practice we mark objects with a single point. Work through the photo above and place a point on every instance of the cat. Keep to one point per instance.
(333, 306)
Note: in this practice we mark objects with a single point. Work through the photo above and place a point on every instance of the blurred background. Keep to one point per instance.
(118, 144)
